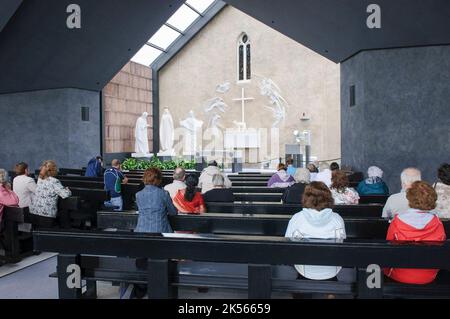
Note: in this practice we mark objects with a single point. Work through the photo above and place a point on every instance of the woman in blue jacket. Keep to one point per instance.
(374, 185)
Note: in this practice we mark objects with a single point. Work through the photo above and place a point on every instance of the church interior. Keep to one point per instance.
(224, 149)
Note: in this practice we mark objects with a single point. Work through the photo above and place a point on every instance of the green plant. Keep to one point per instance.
(137, 164)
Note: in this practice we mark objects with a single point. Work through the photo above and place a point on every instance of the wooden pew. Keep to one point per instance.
(15, 244)
(92, 252)
(15, 238)
(239, 224)
(372, 210)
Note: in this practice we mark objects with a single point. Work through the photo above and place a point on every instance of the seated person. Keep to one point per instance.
(291, 169)
(114, 178)
(154, 205)
(334, 167)
(44, 204)
(219, 194)
(294, 193)
(190, 200)
(23, 185)
(398, 203)
(95, 167)
(205, 181)
(317, 221)
(7, 196)
(342, 193)
(179, 175)
(418, 224)
(443, 190)
(324, 175)
(313, 170)
(281, 179)
(374, 185)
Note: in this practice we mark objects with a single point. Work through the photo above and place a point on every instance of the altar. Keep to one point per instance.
(242, 139)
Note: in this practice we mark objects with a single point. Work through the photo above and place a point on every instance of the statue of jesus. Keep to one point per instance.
(191, 126)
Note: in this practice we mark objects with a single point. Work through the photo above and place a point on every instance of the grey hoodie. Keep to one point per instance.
(205, 181)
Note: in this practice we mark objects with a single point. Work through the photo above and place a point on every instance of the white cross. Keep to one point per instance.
(243, 99)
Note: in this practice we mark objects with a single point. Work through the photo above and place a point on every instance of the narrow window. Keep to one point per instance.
(352, 96)
(244, 58)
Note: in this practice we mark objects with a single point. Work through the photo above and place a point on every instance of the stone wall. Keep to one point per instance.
(125, 98)
(47, 125)
(402, 113)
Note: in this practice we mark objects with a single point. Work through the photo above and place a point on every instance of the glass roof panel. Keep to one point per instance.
(200, 5)
(146, 56)
(183, 18)
(164, 37)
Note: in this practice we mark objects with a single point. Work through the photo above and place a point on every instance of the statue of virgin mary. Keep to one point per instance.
(166, 134)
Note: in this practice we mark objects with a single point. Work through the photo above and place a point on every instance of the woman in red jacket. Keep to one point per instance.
(417, 224)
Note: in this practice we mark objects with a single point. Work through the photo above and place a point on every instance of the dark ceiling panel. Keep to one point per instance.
(337, 29)
(7, 9)
(38, 51)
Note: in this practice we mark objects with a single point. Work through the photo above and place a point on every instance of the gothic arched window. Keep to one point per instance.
(244, 58)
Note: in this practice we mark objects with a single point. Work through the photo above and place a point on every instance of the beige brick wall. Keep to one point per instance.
(125, 98)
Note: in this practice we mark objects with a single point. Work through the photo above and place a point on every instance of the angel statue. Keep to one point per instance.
(279, 104)
(216, 104)
(223, 88)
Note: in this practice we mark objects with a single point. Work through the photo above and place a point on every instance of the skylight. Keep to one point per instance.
(179, 22)
(183, 18)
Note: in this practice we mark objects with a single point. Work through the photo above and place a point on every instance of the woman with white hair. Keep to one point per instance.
(374, 184)
(219, 194)
(294, 194)
(7, 196)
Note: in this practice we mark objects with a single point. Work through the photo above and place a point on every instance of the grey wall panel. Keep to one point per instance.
(7, 9)
(337, 29)
(402, 113)
(47, 125)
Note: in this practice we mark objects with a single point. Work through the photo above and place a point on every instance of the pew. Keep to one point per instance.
(71, 171)
(15, 237)
(239, 224)
(15, 243)
(371, 210)
(157, 261)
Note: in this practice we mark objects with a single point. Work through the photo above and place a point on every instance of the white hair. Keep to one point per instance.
(375, 171)
(218, 180)
(323, 166)
(3, 176)
(302, 175)
(409, 176)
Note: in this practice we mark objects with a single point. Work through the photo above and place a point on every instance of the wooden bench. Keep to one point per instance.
(15, 243)
(151, 259)
(371, 210)
(15, 238)
(239, 224)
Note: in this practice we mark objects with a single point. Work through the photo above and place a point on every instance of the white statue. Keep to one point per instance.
(216, 104)
(166, 133)
(279, 106)
(223, 88)
(141, 135)
(191, 126)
